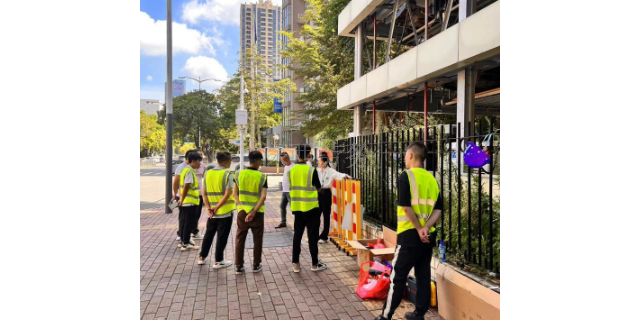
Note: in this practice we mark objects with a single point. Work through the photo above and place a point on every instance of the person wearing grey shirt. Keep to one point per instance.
(176, 192)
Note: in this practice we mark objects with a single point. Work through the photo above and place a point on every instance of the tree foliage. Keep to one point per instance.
(261, 115)
(152, 135)
(325, 61)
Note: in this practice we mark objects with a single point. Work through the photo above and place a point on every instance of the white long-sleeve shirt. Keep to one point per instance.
(328, 175)
(285, 180)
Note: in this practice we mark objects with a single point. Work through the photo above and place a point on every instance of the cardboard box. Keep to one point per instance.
(460, 298)
(365, 254)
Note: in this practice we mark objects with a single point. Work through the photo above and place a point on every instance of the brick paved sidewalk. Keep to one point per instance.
(173, 286)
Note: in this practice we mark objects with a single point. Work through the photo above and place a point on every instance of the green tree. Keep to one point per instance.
(325, 61)
(261, 93)
(152, 135)
(196, 111)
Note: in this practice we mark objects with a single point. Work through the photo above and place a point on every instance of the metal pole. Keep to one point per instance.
(242, 127)
(169, 109)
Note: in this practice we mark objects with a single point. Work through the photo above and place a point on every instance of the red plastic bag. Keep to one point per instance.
(372, 287)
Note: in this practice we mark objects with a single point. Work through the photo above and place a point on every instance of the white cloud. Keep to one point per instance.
(224, 11)
(149, 78)
(205, 68)
(153, 38)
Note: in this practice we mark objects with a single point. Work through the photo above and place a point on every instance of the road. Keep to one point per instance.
(152, 182)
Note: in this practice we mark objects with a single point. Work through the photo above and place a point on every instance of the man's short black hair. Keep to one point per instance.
(284, 154)
(303, 150)
(186, 155)
(193, 156)
(223, 156)
(254, 156)
(419, 150)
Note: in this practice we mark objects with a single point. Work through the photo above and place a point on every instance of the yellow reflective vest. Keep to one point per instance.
(424, 194)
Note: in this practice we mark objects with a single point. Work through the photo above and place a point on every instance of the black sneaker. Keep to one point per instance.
(320, 266)
(239, 270)
(257, 268)
(281, 225)
(413, 316)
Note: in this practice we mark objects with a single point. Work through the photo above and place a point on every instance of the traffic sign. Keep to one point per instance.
(235, 141)
(241, 117)
(277, 106)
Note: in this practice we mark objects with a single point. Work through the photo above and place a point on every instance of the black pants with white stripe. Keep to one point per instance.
(406, 258)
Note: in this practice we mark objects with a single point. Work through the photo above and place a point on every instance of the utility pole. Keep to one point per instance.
(169, 108)
(241, 120)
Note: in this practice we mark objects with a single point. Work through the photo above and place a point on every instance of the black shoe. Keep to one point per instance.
(281, 225)
(413, 316)
(239, 270)
(380, 318)
(257, 268)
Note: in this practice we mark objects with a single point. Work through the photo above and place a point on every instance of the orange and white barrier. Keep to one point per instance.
(347, 216)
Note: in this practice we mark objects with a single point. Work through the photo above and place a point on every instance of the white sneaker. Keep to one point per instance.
(200, 261)
(198, 236)
(189, 247)
(319, 266)
(190, 242)
(222, 264)
(178, 238)
(296, 267)
(321, 241)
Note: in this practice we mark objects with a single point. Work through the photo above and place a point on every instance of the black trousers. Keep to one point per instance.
(195, 229)
(199, 213)
(180, 222)
(311, 221)
(189, 220)
(406, 258)
(222, 227)
(325, 200)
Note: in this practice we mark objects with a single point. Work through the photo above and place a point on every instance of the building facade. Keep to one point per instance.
(261, 22)
(150, 106)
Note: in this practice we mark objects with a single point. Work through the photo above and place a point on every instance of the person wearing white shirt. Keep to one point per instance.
(327, 175)
(286, 199)
(200, 175)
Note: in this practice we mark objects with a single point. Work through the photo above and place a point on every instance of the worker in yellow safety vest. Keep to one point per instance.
(419, 208)
(218, 199)
(304, 185)
(189, 200)
(250, 192)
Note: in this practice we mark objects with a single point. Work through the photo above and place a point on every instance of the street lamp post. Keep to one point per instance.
(169, 111)
(199, 82)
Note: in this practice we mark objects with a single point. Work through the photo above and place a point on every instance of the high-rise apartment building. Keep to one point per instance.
(261, 22)
(292, 21)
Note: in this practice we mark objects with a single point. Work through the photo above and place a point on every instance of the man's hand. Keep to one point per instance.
(424, 234)
(173, 198)
(180, 203)
(250, 216)
(212, 211)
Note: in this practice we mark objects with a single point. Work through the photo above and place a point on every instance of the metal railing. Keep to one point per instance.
(470, 222)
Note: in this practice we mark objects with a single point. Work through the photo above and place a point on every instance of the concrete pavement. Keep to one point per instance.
(173, 286)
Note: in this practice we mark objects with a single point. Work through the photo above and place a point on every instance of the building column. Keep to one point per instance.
(358, 111)
(466, 82)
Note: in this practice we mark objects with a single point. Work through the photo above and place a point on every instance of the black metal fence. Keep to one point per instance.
(470, 223)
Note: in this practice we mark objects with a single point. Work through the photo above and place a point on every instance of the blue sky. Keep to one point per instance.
(205, 42)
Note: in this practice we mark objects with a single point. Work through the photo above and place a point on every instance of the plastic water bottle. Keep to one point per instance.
(442, 250)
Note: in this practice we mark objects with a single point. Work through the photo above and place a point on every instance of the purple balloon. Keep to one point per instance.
(474, 157)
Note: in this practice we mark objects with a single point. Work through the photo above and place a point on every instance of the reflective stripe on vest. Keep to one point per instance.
(250, 184)
(424, 193)
(304, 196)
(193, 194)
(215, 187)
